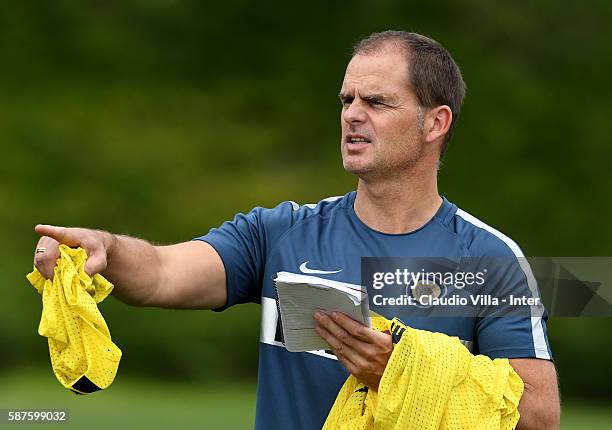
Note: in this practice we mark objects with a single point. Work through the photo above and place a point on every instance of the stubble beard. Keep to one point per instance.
(393, 167)
(380, 167)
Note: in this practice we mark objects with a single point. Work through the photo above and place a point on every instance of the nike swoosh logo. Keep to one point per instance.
(305, 269)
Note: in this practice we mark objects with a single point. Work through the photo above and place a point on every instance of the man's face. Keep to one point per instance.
(381, 130)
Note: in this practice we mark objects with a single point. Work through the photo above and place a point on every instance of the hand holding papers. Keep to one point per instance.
(299, 296)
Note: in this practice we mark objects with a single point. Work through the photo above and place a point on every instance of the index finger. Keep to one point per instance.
(61, 234)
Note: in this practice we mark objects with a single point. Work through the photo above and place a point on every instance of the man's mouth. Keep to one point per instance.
(357, 139)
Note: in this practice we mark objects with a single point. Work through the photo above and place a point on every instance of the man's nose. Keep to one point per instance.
(355, 113)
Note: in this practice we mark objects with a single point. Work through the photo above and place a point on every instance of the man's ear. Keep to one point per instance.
(437, 123)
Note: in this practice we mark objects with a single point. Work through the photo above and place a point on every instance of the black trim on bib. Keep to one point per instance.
(397, 330)
(85, 386)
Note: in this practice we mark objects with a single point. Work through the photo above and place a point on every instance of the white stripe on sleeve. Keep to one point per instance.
(537, 328)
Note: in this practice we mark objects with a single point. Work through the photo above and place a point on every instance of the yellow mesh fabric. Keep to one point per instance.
(380, 323)
(432, 382)
(80, 344)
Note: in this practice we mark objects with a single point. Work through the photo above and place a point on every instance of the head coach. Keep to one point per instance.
(401, 97)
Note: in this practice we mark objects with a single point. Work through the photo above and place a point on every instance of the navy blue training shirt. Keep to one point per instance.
(296, 390)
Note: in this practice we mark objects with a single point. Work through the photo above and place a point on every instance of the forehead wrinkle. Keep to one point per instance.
(363, 87)
(382, 76)
(365, 91)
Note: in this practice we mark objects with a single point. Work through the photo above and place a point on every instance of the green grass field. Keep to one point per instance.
(137, 404)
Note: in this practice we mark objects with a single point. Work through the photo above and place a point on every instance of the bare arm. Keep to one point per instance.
(539, 407)
(185, 275)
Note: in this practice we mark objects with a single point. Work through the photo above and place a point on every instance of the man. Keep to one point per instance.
(401, 97)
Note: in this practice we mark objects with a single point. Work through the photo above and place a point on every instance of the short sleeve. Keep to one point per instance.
(513, 331)
(243, 245)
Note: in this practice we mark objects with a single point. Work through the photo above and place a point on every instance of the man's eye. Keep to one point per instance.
(346, 102)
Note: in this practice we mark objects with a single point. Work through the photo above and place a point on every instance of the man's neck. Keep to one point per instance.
(397, 207)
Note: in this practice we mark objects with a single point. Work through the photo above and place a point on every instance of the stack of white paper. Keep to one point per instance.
(299, 296)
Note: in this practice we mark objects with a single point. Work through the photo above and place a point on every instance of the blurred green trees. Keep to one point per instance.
(161, 119)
